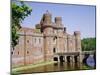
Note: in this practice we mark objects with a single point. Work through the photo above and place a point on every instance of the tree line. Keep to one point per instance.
(88, 44)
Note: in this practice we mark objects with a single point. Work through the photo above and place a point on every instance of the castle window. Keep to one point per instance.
(12, 53)
(55, 39)
(54, 50)
(27, 52)
(18, 52)
(27, 41)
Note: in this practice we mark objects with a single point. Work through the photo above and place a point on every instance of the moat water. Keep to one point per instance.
(55, 67)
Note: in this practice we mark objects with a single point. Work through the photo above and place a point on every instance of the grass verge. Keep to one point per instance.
(20, 68)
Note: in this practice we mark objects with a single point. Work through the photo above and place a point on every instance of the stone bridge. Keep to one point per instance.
(86, 54)
(72, 56)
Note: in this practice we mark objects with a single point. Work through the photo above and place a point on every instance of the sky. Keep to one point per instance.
(74, 17)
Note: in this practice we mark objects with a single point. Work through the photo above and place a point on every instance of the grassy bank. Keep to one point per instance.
(87, 67)
(20, 68)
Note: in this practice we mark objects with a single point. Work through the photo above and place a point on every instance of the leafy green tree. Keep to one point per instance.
(89, 44)
(19, 13)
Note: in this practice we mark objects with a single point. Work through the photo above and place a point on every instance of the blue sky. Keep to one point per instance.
(74, 17)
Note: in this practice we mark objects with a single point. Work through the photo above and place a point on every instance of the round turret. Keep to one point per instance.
(47, 17)
(46, 23)
(77, 33)
(58, 20)
(78, 40)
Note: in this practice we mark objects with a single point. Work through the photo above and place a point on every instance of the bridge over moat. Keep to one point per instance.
(73, 56)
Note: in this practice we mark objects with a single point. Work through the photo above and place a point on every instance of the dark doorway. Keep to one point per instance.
(55, 59)
(76, 59)
(61, 59)
(68, 58)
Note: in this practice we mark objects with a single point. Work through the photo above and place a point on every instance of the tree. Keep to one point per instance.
(19, 13)
(89, 44)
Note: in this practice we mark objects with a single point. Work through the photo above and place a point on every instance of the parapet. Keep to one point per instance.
(77, 33)
(38, 26)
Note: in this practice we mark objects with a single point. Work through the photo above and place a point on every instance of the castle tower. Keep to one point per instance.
(58, 20)
(77, 41)
(47, 17)
(46, 23)
(59, 29)
(47, 30)
(78, 44)
(69, 43)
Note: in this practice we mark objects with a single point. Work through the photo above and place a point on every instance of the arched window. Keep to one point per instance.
(18, 52)
(27, 52)
(27, 41)
(54, 50)
(12, 53)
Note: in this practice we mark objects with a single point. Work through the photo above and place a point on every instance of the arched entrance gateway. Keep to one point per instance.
(55, 59)
(68, 58)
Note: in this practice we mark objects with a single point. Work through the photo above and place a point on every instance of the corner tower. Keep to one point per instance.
(78, 44)
(77, 40)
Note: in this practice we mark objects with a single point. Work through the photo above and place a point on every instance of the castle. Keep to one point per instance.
(44, 42)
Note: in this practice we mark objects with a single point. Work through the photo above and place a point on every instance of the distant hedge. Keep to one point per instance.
(88, 44)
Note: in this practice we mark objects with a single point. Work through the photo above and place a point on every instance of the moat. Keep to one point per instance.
(62, 66)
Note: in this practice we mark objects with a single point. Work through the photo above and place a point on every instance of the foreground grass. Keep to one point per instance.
(87, 67)
(20, 68)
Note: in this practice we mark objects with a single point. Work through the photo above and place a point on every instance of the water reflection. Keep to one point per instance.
(90, 61)
(54, 67)
(63, 66)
